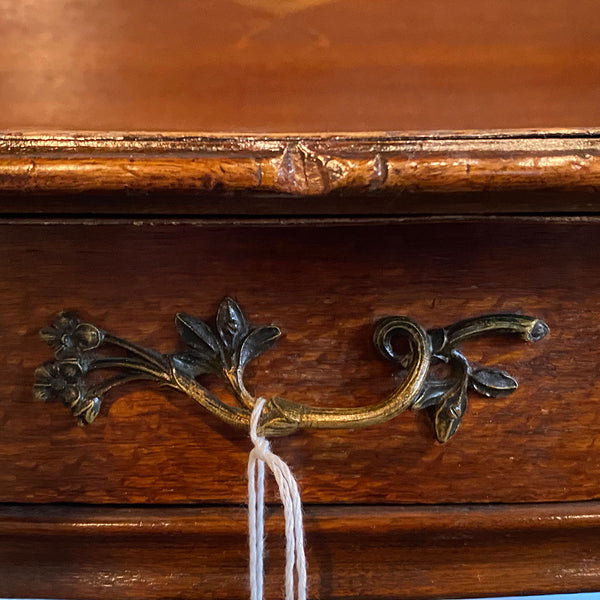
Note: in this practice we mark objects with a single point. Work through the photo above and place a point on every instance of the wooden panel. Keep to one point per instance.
(452, 173)
(325, 287)
(298, 65)
(352, 552)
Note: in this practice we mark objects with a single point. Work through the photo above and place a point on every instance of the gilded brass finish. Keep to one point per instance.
(227, 349)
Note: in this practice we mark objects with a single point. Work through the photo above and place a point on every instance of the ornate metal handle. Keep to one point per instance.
(227, 350)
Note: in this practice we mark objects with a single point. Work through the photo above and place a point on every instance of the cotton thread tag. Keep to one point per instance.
(295, 559)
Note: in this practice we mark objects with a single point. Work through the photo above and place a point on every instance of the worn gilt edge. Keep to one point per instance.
(304, 165)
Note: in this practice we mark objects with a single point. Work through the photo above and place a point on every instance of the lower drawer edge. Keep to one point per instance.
(353, 551)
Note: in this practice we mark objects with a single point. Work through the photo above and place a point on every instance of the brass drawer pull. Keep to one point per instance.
(227, 349)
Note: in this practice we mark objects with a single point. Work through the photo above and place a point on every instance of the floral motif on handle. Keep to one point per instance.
(227, 348)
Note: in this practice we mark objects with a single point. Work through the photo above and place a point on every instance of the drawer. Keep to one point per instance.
(424, 209)
(325, 287)
(323, 238)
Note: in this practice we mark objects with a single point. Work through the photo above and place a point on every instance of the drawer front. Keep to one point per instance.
(325, 287)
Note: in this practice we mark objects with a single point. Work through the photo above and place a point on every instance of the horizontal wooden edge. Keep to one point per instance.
(353, 551)
(295, 221)
(310, 165)
(42, 519)
(57, 140)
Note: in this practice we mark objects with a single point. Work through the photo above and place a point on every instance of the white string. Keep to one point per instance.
(260, 456)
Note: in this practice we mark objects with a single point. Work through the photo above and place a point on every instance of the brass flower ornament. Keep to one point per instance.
(226, 349)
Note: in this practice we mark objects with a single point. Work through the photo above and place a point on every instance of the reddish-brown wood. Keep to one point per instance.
(261, 66)
(353, 552)
(360, 65)
(325, 287)
(458, 173)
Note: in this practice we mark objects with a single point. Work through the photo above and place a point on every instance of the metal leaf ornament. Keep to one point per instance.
(449, 397)
(229, 349)
(493, 383)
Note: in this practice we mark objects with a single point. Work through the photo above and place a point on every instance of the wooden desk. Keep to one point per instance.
(322, 235)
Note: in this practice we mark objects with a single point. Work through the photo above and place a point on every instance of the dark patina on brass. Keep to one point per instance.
(226, 349)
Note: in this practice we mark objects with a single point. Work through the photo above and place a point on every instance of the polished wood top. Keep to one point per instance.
(298, 65)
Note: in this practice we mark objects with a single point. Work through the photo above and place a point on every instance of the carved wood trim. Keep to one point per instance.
(302, 165)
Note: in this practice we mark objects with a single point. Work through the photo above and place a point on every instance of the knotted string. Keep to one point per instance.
(260, 456)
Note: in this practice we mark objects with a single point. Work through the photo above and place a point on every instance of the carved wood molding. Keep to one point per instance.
(304, 165)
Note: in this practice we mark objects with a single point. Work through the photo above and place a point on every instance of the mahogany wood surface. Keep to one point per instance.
(148, 501)
(374, 174)
(352, 552)
(325, 286)
(298, 65)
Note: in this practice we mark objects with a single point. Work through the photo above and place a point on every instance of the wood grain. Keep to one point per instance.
(325, 287)
(353, 552)
(359, 65)
(456, 173)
